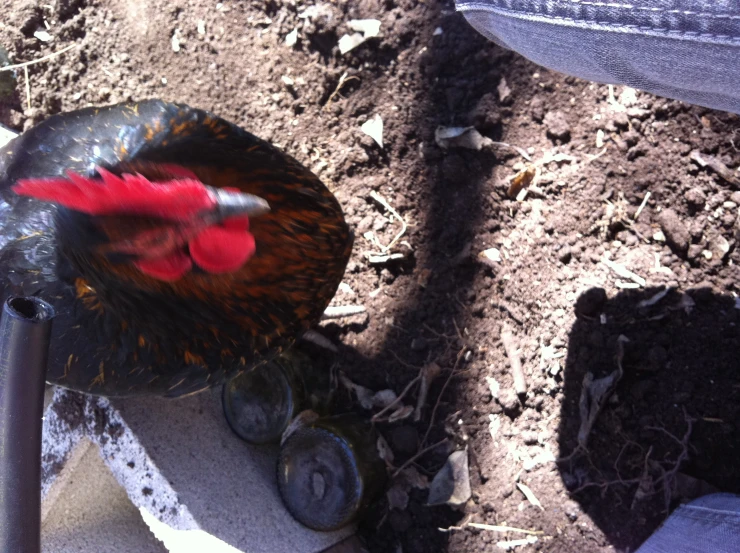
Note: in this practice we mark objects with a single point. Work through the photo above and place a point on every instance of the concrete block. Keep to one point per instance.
(93, 513)
(196, 485)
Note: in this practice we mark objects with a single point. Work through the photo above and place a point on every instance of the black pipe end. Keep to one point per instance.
(30, 308)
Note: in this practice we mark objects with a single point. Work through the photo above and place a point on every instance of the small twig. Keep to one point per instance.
(521, 151)
(28, 87)
(339, 311)
(320, 340)
(642, 205)
(428, 374)
(344, 79)
(441, 393)
(491, 528)
(511, 346)
(396, 401)
(378, 198)
(623, 271)
(32, 62)
(424, 451)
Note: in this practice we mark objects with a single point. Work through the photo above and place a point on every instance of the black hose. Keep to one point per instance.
(25, 327)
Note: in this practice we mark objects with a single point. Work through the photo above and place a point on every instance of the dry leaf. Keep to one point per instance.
(366, 28)
(401, 413)
(291, 38)
(373, 127)
(460, 137)
(384, 451)
(521, 180)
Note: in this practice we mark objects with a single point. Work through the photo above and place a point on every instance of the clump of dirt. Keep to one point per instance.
(609, 167)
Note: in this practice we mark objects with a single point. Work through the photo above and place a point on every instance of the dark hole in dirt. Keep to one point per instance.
(679, 400)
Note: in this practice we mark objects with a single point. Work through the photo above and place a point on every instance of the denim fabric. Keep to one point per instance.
(710, 524)
(682, 49)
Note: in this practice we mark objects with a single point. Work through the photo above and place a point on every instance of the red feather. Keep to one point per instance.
(131, 194)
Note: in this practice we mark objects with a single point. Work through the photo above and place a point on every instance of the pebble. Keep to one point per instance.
(694, 252)
(537, 109)
(676, 233)
(418, 344)
(695, 197)
(557, 125)
(509, 401)
(591, 302)
(564, 255)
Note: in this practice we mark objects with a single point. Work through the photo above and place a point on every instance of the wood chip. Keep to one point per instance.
(705, 160)
(512, 544)
(511, 346)
(373, 127)
(529, 494)
(521, 180)
(622, 271)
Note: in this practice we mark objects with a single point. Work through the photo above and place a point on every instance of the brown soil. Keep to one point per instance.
(440, 301)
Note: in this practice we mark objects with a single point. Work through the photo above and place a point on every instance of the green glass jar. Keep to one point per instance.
(329, 471)
(260, 403)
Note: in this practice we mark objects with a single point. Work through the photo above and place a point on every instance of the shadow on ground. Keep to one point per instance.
(669, 432)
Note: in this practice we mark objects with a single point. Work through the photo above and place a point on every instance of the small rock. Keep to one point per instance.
(557, 125)
(571, 510)
(719, 246)
(537, 108)
(486, 113)
(504, 92)
(529, 438)
(620, 120)
(696, 228)
(398, 497)
(735, 197)
(676, 233)
(695, 197)
(591, 302)
(451, 485)
(418, 344)
(510, 402)
(694, 252)
(564, 255)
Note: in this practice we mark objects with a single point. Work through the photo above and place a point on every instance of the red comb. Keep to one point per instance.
(130, 194)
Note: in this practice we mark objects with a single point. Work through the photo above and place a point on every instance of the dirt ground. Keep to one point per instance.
(618, 177)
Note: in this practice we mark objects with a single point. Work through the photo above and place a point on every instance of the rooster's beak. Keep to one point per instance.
(233, 204)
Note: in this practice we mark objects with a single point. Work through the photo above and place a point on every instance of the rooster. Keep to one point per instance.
(176, 248)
